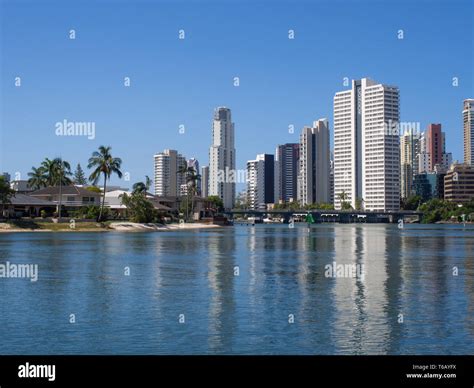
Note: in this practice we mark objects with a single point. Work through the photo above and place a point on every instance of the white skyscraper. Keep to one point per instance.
(222, 174)
(255, 184)
(168, 181)
(468, 121)
(261, 181)
(366, 146)
(314, 170)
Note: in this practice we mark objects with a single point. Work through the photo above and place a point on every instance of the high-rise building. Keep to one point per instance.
(287, 166)
(459, 183)
(314, 169)
(168, 179)
(429, 185)
(222, 174)
(260, 181)
(433, 150)
(366, 146)
(423, 156)
(434, 145)
(409, 161)
(194, 164)
(468, 121)
(205, 181)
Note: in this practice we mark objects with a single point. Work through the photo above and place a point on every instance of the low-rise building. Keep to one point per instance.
(71, 196)
(459, 183)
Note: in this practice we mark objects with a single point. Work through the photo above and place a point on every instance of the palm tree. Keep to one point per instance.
(6, 193)
(142, 187)
(104, 164)
(148, 182)
(54, 172)
(183, 170)
(37, 178)
(192, 178)
(59, 170)
(342, 196)
(139, 188)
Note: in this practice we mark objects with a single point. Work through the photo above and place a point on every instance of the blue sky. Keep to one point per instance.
(176, 82)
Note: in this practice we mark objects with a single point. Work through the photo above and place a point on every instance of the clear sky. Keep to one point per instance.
(176, 82)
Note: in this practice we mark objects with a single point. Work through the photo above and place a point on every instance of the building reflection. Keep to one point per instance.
(365, 310)
(222, 315)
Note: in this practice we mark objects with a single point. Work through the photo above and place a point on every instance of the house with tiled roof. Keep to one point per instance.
(71, 196)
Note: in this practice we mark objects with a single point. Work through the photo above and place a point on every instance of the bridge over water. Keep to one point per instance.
(341, 216)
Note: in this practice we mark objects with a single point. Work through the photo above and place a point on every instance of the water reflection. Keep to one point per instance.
(281, 274)
(221, 317)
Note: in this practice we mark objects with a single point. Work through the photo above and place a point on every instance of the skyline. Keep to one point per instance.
(164, 94)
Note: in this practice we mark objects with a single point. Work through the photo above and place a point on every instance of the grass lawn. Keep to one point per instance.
(66, 226)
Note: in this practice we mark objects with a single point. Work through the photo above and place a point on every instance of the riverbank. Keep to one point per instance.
(122, 226)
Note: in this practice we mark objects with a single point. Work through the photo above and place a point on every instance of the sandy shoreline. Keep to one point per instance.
(114, 226)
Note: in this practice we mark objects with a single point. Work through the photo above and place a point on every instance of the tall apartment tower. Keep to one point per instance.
(409, 161)
(260, 181)
(434, 145)
(433, 155)
(287, 162)
(423, 156)
(314, 179)
(367, 145)
(205, 181)
(168, 180)
(222, 174)
(468, 121)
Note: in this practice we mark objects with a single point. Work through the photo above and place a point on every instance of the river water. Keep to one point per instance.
(261, 289)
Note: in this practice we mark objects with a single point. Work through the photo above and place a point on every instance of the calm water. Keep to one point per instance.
(282, 272)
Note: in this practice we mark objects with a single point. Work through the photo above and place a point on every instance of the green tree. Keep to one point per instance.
(192, 177)
(216, 202)
(139, 208)
(37, 178)
(104, 164)
(411, 203)
(79, 176)
(342, 196)
(6, 193)
(51, 172)
(359, 204)
(57, 172)
(139, 188)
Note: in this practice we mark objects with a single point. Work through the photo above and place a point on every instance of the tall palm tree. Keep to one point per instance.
(342, 196)
(105, 165)
(139, 188)
(192, 178)
(183, 170)
(55, 172)
(58, 170)
(148, 182)
(37, 178)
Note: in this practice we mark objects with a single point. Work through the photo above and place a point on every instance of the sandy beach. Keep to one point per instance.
(122, 226)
